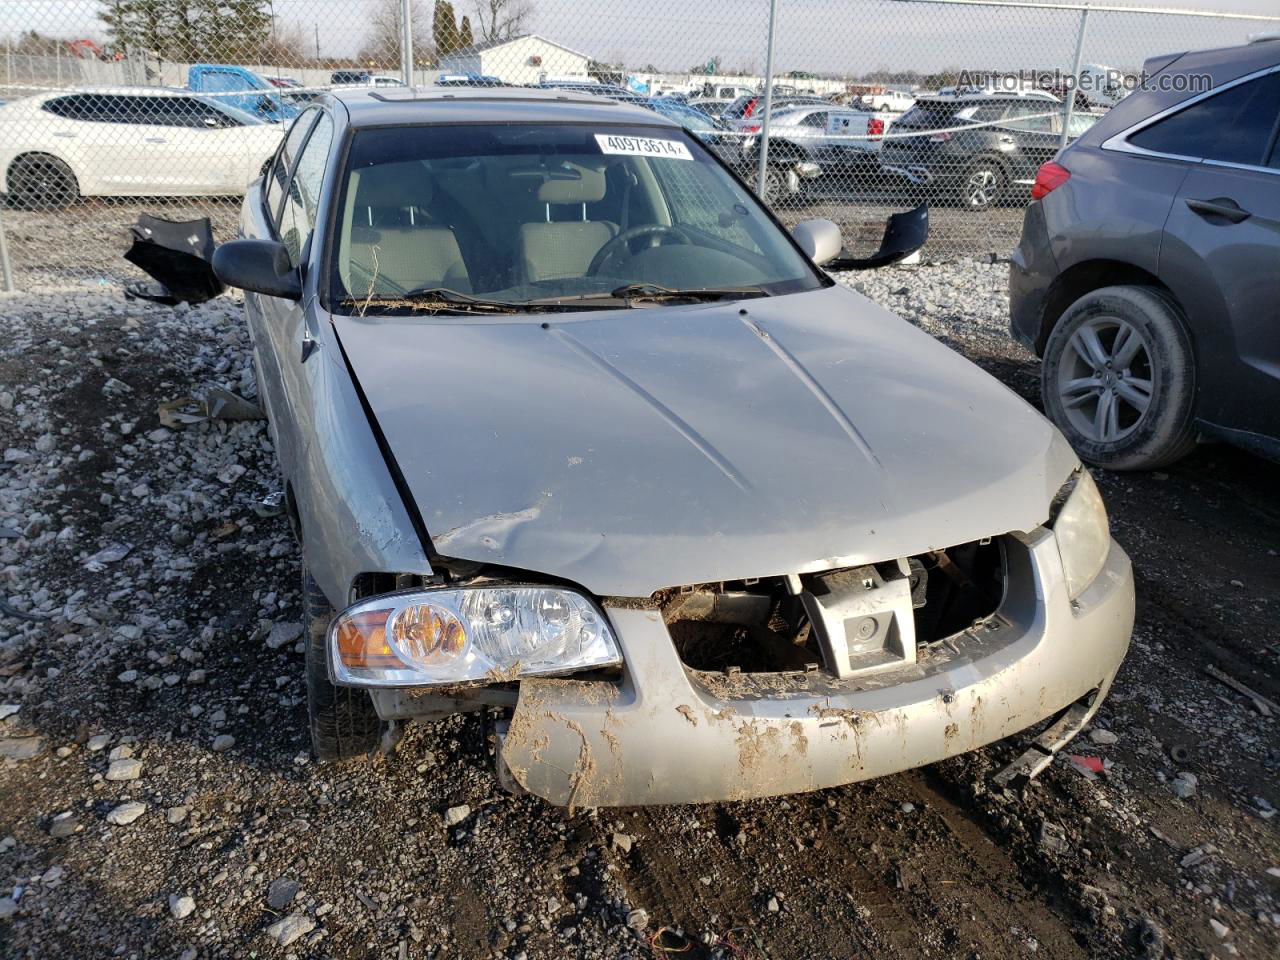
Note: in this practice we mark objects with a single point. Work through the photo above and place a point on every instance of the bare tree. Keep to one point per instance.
(381, 46)
(502, 19)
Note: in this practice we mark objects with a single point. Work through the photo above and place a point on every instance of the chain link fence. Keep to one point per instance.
(844, 109)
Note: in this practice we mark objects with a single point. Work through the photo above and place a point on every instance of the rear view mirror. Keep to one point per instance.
(904, 234)
(820, 239)
(258, 266)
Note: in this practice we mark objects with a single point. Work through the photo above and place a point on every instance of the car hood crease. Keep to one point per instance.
(631, 450)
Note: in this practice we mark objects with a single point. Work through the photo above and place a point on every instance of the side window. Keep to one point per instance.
(1233, 126)
(104, 108)
(1035, 117)
(222, 81)
(279, 175)
(816, 119)
(299, 216)
(69, 108)
(175, 111)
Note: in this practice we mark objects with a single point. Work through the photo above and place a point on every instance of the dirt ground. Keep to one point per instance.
(186, 641)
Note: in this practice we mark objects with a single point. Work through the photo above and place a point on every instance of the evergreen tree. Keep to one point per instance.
(219, 31)
(444, 29)
(465, 39)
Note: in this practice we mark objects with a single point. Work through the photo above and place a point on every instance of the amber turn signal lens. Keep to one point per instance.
(362, 641)
(428, 633)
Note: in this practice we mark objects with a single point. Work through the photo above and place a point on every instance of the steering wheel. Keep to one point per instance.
(654, 231)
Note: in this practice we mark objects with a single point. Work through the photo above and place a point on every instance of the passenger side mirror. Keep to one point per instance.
(258, 266)
(820, 239)
(904, 234)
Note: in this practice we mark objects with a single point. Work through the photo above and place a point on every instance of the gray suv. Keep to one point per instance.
(1148, 274)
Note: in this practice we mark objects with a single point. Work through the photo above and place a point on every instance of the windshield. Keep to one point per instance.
(688, 117)
(543, 214)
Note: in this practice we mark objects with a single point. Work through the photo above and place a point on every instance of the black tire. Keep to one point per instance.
(343, 721)
(1147, 437)
(983, 185)
(38, 181)
(775, 187)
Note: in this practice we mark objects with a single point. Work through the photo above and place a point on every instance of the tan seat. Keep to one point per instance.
(392, 245)
(555, 249)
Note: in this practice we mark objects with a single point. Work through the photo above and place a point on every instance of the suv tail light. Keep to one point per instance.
(875, 128)
(751, 107)
(1049, 177)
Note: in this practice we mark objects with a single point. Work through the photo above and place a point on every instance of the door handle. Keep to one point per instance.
(156, 140)
(1223, 207)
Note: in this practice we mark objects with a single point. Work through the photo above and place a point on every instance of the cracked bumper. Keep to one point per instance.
(666, 734)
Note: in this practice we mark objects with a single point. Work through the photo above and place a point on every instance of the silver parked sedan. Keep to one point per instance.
(570, 427)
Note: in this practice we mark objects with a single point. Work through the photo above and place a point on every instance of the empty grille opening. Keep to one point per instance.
(953, 588)
(756, 626)
(760, 626)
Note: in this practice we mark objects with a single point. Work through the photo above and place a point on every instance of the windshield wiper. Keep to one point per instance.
(654, 292)
(443, 297)
(444, 300)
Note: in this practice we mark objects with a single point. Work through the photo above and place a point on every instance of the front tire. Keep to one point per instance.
(343, 721)
(1118, 379)
(38, 181)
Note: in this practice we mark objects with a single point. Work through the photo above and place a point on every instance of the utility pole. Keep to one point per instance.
(762, 174)
(317, 44)
(1075, 79)
(406, 42)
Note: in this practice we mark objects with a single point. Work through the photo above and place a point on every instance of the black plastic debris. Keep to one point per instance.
(177, 255)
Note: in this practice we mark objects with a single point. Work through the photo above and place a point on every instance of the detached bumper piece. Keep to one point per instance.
(178, 255)
(668, 733)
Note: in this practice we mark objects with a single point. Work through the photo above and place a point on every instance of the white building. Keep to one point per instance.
(524, 59)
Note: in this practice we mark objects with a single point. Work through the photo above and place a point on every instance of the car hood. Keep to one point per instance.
(630, 450)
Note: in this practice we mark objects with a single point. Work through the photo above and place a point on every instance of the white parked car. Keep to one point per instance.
(128, 141)
(831, 136)
(895, 101)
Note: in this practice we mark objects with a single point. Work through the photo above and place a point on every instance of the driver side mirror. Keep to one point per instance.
(904, 234)
(258, 266)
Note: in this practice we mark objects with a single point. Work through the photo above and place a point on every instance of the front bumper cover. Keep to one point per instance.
(666, 734)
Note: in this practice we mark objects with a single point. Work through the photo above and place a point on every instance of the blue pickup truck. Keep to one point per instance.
(242, 88)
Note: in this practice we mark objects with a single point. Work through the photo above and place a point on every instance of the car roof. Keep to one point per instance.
(991, 96)
(137, 90)
(415, 105)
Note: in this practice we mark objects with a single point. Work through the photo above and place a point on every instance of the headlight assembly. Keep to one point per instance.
(468, 634)
(1083, 535)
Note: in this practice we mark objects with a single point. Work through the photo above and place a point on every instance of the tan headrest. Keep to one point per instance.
(394, 186)
(586, 186)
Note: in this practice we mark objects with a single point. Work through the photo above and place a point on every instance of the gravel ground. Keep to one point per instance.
(158, 800)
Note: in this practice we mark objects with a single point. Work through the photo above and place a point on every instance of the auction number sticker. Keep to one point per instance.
(642, 146)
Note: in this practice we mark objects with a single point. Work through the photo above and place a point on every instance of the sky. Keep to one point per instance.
(842, 37)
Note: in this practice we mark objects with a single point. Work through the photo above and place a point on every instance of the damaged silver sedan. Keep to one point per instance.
(573, 432)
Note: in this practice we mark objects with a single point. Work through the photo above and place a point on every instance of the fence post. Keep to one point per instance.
(762, 173)
(406, 42)
(6, 268)
(1075, 74)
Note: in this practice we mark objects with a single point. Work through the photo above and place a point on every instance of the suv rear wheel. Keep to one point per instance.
(1119, 379)
(983, 185)
(343, 721)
